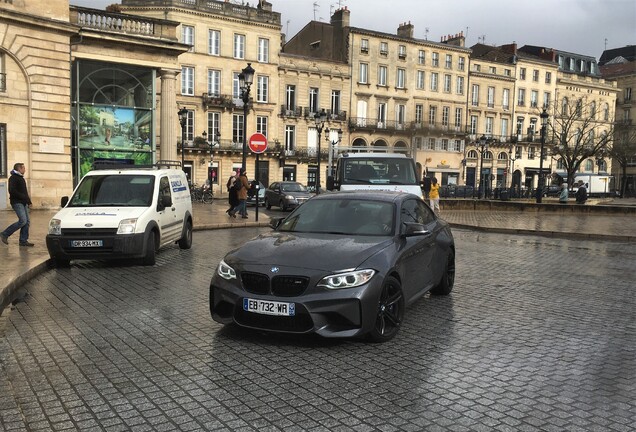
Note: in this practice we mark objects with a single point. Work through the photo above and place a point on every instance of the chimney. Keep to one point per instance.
(457, 39)
(510, 48)
(264, 5)
(341, 18)
(405, 30)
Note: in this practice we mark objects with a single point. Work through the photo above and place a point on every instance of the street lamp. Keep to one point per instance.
(332, 147)
(512, 159)
(246, 78)
(183, 119)
(320, 119)
(544, 124)
(482, 145)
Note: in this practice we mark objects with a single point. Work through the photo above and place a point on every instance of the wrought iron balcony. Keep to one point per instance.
(211, 100)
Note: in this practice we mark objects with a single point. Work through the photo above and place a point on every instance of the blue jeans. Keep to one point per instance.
(241, 208)
(22, 210)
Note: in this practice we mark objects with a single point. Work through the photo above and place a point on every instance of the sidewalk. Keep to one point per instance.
(19, 264)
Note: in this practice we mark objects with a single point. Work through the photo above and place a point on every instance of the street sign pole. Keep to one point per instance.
(256, 174)
(257, 144)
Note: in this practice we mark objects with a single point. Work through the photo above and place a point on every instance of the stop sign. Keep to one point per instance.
(257, 143)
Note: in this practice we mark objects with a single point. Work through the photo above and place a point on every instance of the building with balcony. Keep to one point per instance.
(106, 64)
(619, 64)
(223, 38)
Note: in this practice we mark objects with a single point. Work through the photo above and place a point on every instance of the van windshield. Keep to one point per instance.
(377, 170)
(114, 191)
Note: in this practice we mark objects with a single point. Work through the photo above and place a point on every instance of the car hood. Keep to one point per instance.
(299, 194)
(311, 251)
(97, 217)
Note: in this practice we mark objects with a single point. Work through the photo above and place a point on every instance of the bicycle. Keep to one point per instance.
(201, 194)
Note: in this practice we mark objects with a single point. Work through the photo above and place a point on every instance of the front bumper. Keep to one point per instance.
(113, 246)
(329, 313)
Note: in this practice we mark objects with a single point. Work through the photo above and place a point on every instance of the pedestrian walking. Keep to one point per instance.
(232, 199)
(563, 196)
(433, 196)
(242, 185)
(581, 193)
(20, 201)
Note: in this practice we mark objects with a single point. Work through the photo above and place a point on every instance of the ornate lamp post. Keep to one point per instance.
(332, 147)
(511, 153)
(246, 78)
(183, 120)
(544, 125)
(320, 119)
(482, 146)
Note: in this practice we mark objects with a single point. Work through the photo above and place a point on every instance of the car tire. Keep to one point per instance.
(61, 262)
(390, 311)
(282, 205)
(445, 285)
(268, 206)
(185, 242)
(150, 258)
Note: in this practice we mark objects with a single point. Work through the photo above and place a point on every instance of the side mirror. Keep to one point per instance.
(64, 201)
(415, 229)
(275, 222)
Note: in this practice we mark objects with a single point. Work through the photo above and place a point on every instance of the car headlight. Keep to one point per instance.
(225, 271)
(290, 197)
(55, 227)
(347, 280)
(127, 226)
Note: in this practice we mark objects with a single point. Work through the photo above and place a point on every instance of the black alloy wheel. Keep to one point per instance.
(447, 282)
(390, 311)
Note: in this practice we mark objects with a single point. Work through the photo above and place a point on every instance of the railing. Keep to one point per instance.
(290, 112)
(218, 101)
(3, 81)
(119, 23)
(216, 7)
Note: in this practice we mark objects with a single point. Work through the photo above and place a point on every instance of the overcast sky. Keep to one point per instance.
(578, 26)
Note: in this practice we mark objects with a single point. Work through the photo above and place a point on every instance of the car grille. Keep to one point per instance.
(289, 286)
(283, 286)
(89, 232)
(300, 323)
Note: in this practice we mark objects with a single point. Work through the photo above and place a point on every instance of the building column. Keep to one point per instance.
(168, 120)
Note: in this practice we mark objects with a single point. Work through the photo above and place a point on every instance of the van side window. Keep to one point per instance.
(164, 188)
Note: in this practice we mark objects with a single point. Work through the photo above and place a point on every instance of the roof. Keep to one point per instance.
(627, 52)
(614, 70)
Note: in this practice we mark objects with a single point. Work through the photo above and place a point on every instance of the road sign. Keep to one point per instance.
(257, 143)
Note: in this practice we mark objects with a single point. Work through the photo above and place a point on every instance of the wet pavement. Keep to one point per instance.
(538, 335)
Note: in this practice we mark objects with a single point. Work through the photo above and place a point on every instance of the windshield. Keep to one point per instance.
(377, 171)
(292, 187)
(342, 216)
(114, 191)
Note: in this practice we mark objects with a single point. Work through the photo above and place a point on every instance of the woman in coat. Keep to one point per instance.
(233, 199)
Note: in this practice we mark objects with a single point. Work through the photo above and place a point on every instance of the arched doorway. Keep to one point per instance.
(359, 145)
(401, 147)
(380, 146)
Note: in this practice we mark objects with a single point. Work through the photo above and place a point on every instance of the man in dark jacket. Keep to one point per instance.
(20, 201)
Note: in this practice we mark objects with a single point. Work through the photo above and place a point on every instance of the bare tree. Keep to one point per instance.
(623, 150)
(579, 131)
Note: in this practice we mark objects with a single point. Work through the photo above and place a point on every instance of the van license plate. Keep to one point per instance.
(269, 307)
(87, 243)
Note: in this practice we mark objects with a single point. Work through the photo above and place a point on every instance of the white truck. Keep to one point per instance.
(598, 185)
(375, 171)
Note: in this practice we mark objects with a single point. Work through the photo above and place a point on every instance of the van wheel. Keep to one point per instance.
(186, 240)
(61, 263)
(150, 258)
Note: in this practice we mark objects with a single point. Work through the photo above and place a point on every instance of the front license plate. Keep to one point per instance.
(87, 243)
(269, 307)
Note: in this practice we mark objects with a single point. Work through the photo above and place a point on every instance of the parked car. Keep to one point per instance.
(251, 197)
(552, 190)
(286, 195)
(341, 265)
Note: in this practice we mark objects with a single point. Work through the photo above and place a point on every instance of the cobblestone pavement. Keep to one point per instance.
(538, 335)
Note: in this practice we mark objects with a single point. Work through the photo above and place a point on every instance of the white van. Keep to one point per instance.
(122, 213)
(375, 171)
